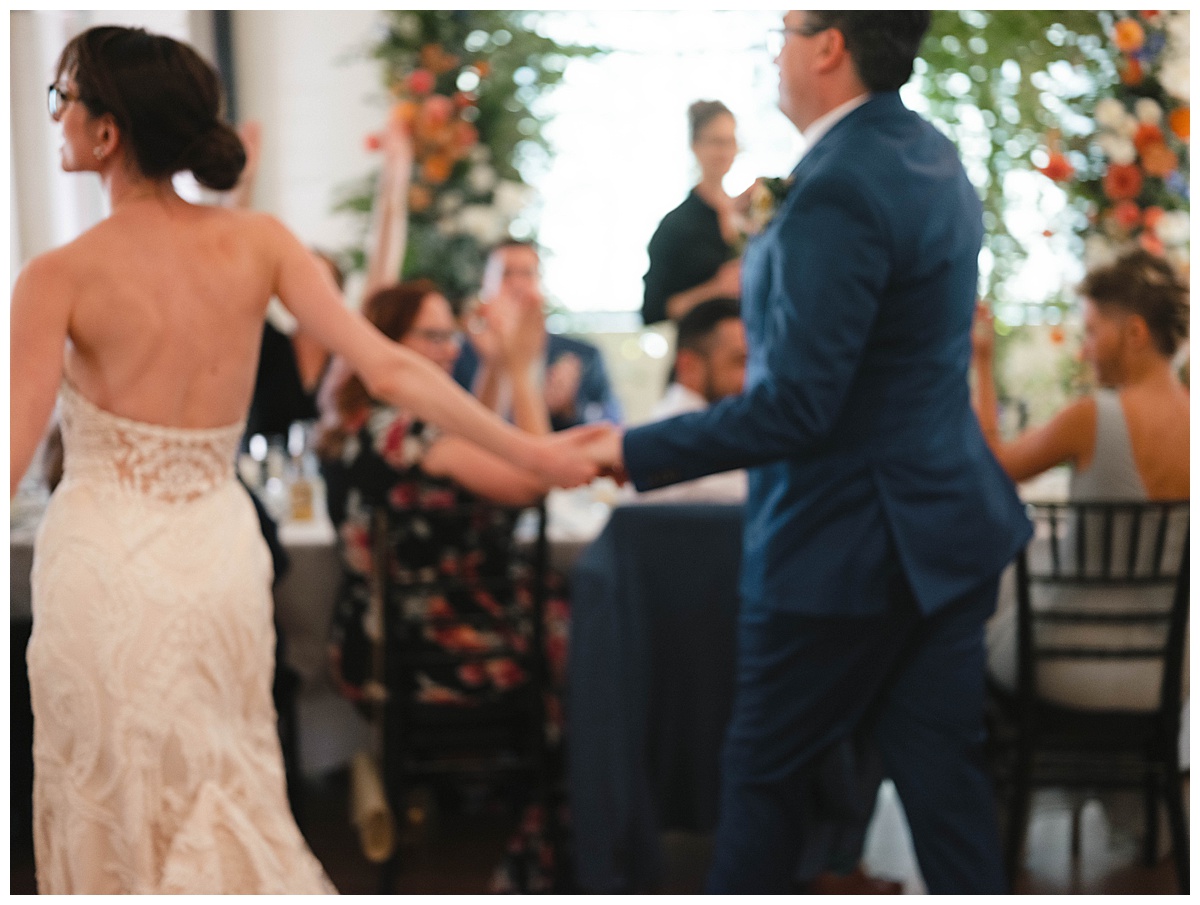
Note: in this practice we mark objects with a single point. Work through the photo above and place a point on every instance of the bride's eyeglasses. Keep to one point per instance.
(57, 99)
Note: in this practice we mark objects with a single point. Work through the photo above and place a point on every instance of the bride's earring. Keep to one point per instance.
(99, 152)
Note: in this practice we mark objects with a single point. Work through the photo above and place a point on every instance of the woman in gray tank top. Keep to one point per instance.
(1126, 441)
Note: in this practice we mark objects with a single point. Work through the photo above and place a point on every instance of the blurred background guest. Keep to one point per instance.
(575, 383)
(1128, 440)
(710, 364)
(376, 455)
(693, 253)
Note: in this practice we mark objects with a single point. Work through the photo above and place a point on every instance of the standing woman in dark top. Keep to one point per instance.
(693, 255)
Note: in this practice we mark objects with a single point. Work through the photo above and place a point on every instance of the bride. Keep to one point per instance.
(157, 762)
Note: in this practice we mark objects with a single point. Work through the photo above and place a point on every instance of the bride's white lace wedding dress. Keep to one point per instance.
(157, 763)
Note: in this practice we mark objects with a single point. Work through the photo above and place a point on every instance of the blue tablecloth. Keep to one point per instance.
(649, 685)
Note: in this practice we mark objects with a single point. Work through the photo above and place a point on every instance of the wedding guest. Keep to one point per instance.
(157, 760)
(692, 253)
(1127, 440)
(374, 455)
(710, 364)
(575, 383)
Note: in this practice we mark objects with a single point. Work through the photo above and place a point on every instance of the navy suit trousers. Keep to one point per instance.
(810, 689)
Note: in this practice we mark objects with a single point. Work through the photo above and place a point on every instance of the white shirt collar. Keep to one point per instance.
(676, 400)
(822, 124)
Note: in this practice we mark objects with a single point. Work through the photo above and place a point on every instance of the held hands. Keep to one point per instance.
(564, 458)
(576, 456)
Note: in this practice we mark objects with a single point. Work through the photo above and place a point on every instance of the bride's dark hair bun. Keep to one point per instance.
(164, 97)
(216, 158)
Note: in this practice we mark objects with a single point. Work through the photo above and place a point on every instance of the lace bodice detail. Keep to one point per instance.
(170, 464)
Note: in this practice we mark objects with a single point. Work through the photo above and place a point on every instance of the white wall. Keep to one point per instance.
(306, 77)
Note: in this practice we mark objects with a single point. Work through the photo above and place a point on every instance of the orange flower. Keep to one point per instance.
(421, 81)
(1122, 181)
(466, 136)
(436, 169)
(1128, 35)
(1058, 335)
(483, 67)
(1131, 72)
(435, 59)
(1147, 134)
(372, 142)
(438, 109)
(1180, 121)
(419, 198)
(1152, 244)
(1152, 216)
(1159, 160)
(1127, 214)
(404, 112)
(1058, 168)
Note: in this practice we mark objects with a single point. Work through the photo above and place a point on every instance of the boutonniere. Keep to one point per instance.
(765, 199)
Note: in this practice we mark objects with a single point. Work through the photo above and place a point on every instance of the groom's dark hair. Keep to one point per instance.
(882, 43)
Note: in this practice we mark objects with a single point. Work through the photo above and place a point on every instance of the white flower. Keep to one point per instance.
(1128, 126)
(481, 179)
(481, 154)
(511, 198)
(1110, 112)
(1097, 251)
(1147, 110)
(1174, 228)
(450, 202)
(408, 26)
(447, 226)
(1178, 24)
(1175, 77)
(1117, 149)
(482, 222)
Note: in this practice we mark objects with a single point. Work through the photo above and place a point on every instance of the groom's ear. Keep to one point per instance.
(831, 52)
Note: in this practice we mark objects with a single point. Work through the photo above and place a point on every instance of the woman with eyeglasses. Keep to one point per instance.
(693, 253)
(157, 763)
(375, 454)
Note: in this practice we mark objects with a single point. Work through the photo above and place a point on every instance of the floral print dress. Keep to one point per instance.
(452, 550)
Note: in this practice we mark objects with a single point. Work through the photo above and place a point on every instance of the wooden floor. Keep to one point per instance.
(463, 844)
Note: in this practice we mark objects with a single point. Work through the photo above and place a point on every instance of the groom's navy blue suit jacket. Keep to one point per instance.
(855, 421)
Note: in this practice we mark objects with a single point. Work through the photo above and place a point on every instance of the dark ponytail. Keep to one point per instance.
(164, 98)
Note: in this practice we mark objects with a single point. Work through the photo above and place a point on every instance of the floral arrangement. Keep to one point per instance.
(765, 198)
(1132, 171)
(467, 83)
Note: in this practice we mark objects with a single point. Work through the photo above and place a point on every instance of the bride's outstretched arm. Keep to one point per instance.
(38, 319)
(394, 373)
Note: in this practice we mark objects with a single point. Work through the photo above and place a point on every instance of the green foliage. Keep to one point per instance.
(997, 83)
(495, 65)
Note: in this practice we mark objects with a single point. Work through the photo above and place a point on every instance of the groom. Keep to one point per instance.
(877, 521)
